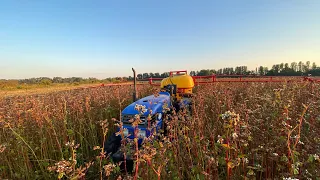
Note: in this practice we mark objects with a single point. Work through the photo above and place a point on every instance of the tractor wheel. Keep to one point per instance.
(164, 124)
(190, 110)
(164, 128)
(125, 166)
(112, 144)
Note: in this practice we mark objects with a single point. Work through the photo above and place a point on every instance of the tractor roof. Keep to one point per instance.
(152, 102)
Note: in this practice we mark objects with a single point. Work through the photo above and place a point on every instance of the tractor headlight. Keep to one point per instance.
(142, 134)
(125, 132)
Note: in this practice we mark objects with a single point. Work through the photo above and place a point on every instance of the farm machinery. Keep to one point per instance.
(145, 117)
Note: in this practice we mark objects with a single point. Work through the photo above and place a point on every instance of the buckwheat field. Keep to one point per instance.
(236, 131)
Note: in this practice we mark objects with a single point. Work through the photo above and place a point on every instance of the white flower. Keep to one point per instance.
(141, 108)
(316, 157)
(295, 137)
(226, 115)
(285, 124)
(2, 148)
(234, 135)
(245, 160)
(275, 154)
(220, 139)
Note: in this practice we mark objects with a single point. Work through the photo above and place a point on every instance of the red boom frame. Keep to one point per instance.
(223, 78)
(236, 78)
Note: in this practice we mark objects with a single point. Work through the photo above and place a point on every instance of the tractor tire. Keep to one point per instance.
(126, 166)
(112, 144)
(190, 108)
(164, 128)
(166, 118)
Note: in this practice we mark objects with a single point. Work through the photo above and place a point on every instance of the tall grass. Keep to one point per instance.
(237, 131)
(35, 129)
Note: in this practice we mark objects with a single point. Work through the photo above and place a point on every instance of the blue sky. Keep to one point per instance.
(106, 38)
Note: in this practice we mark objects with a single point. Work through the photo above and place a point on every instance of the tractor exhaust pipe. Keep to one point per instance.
(135, 97)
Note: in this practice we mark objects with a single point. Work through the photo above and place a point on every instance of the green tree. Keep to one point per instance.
(307, 66)
(300, 66)
(294, 66)
(46, 82)
(314, 66)
(261, 70)
(145, 75)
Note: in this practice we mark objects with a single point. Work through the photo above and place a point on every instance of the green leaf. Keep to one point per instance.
(242, 155)
(70, 132)
(45, 164)
(61, 174)
(310, 159)
(250, 172)
(222, 161)
(193, 170)
(251, 167)
(117, 169)
(296, 153)
(284, 158)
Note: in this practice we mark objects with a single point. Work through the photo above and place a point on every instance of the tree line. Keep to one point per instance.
(60, 80)
(282, 69)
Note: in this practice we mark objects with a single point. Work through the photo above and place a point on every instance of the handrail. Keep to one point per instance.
(177, 72)
(238, 78)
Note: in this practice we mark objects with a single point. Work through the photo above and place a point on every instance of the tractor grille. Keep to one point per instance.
(128, 119)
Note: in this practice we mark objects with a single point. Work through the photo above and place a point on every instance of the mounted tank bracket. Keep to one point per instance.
(171, 89)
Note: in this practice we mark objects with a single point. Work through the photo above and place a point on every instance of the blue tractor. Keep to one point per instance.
(147, 116)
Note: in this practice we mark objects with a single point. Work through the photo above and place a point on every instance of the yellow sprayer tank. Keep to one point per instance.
(183, 81)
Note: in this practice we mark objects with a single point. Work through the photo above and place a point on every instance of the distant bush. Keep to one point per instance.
(46, 82)
(19, 87)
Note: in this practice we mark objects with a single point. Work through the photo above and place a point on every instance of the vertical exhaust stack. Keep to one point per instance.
(135, 97)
